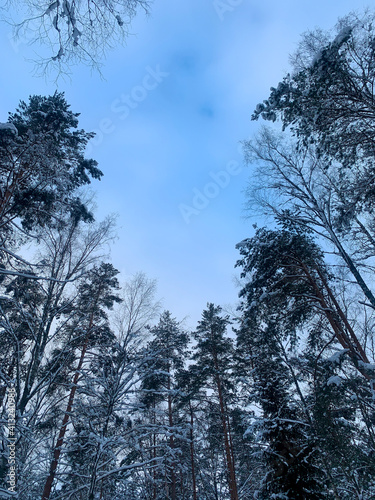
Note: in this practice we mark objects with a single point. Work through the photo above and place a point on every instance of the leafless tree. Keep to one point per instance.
(138, 308)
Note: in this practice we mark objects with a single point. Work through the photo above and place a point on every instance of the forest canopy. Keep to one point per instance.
(104, 395)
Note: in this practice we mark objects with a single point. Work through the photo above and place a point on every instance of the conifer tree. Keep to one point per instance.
(286, 297)
(96, 294)
(42, 164)
(159, 397)
(213, 356)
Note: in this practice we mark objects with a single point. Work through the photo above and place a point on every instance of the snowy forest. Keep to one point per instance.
(106, 395)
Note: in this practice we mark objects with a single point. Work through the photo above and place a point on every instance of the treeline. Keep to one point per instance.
(116, 399)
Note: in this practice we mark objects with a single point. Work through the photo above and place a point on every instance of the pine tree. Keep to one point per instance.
(96, 294)
(159, 398)
(213, 356)
(42, 165)
(285, 298)
(328, 99)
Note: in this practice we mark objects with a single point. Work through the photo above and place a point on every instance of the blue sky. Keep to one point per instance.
(169, 114)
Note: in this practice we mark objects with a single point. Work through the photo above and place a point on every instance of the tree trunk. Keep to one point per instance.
(227, 445)
(192, 454)
(154, 449)
(351, 265)
(60, 440)
(172, 485)
(355, 351)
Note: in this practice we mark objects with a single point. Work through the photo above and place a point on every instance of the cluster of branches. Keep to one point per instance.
(68, 32)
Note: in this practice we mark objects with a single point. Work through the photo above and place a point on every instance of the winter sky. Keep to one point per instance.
(169, 114)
